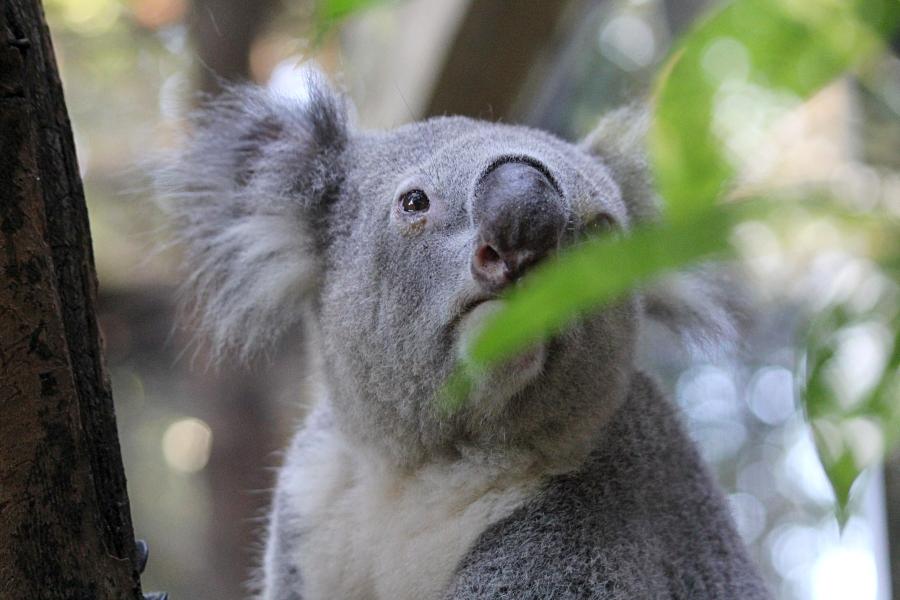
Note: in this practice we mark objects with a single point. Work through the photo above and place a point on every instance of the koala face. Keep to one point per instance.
(445, 215)
(395, 246)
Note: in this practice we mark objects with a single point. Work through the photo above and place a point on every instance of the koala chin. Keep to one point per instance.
(565, 474)
(493, 388)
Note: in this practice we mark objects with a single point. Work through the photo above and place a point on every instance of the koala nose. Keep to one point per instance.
(520, 217)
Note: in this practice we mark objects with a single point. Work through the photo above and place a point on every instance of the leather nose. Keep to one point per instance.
(520, 217)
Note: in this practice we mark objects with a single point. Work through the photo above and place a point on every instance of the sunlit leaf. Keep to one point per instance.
(591, 274)
(842, 471)
(881, 407)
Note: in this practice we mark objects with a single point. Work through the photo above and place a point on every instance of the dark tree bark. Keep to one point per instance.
(65, 527)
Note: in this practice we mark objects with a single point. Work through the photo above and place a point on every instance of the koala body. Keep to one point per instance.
(565, 474)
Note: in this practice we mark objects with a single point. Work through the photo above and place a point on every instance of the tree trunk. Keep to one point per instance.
(496, 47)
(65, 527)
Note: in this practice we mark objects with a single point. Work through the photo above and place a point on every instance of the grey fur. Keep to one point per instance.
(618, 140)
(289, 213)
(641, 519)
(245, 196)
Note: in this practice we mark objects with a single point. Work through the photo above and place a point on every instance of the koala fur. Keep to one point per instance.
(565, 475)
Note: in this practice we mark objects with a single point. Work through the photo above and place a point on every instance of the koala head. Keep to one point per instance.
(392, 247)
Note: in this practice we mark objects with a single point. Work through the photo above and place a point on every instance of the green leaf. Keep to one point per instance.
(881, 407)
(582, 278)
(332, 10)
(585, 277)
(842, 472)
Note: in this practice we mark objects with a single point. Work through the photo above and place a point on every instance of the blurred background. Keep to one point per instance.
(199, 444)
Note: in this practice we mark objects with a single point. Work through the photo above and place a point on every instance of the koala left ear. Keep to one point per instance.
(246, 195)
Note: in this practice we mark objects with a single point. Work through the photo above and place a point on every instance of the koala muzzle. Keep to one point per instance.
(521, 217)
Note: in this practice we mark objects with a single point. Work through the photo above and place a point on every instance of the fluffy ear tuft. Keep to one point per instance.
(707, 307)
(618, 141)
(246, 195)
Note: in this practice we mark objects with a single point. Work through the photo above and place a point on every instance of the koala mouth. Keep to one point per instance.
(496, 385)
(467, 305)
(474, 303)
(472, 312)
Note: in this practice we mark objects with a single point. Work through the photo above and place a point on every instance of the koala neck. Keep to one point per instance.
(549, 443)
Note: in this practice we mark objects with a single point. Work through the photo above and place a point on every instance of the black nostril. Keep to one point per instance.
(487, 258)
(488, 267)
(495, 270)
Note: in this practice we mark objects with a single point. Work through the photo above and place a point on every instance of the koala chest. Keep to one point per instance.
(371, 532)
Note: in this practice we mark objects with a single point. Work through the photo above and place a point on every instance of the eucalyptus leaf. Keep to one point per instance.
(597, 271)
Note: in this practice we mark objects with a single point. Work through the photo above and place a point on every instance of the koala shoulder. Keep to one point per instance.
(621, 526)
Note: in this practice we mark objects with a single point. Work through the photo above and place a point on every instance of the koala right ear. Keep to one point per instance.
(618, 141)
(246, 195)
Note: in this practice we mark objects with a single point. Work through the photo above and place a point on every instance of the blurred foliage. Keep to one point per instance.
(792, 48)
(330, 12)
(783, 47)
(779, 54)
(852, 433)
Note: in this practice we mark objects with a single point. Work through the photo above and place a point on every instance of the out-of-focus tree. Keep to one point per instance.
(223, 33)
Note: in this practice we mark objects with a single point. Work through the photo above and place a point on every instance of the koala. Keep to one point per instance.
(565, 474)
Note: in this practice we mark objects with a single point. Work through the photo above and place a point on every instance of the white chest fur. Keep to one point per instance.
(373, 532)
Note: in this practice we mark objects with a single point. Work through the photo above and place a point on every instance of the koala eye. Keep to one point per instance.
(599, 224)
(414, 201)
